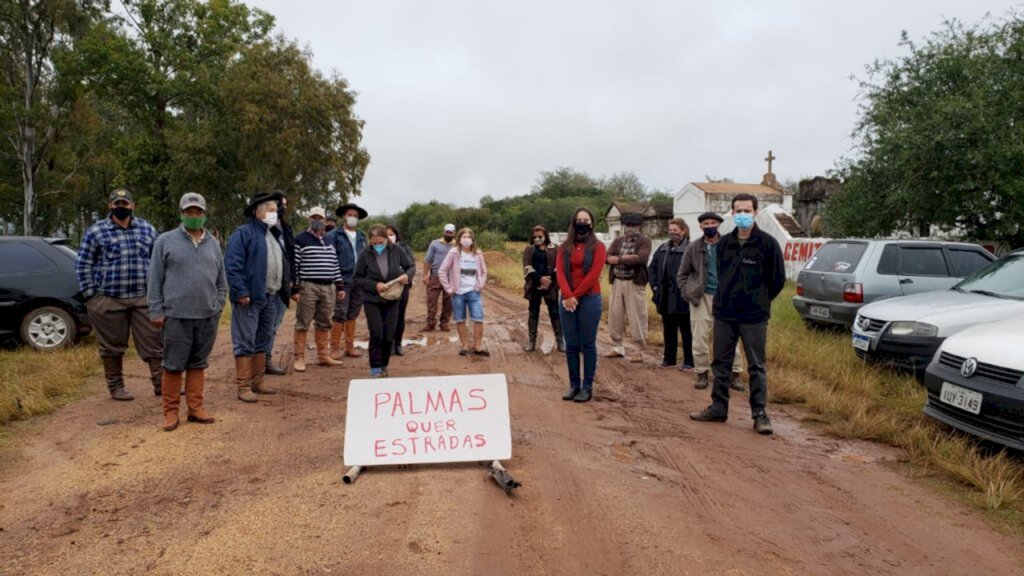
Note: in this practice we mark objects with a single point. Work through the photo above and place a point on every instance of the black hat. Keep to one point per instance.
(258, 199)
(350, 206)
(709, 216)
(632, 219)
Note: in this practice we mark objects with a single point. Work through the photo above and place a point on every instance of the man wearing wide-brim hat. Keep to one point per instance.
(257, 271)
(628, 256)
(348, 243)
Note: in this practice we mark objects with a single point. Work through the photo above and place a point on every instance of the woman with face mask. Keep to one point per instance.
(463, 274)
(395, 238)
(540, 285)
(378, 267)
(578, 267)
(662, 274)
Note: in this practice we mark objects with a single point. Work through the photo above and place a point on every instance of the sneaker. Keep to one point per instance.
(463, 352)
(570, 394)
(615, 354)
(666, 365)
(701, 381)
(709, 414)
(686, 367)
(582, 396)
(736, 383)
(762, 424)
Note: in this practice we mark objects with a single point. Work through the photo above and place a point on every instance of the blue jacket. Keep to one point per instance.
(346, 258)
(245, 262)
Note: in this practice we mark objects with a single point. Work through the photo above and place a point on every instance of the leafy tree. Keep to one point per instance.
(940, 138)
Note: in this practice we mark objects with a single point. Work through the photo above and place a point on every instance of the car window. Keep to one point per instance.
(889, 263)
(966, 261)
(1003, 278)
(66, 251)
(922, 261)
(837, 257)
(18, 258)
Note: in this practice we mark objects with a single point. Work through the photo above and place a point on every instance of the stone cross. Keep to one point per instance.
(769, 159)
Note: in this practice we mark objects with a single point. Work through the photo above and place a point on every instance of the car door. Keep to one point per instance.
(923, 268)
(966, 260)
(21, 269)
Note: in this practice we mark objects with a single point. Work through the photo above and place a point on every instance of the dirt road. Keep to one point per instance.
(623, 485)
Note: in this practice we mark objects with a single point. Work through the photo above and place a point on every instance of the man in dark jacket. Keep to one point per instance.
(349, 243)
(674, 311)
(257, 271)
(286, 235)
(628, 257)
(751, 273)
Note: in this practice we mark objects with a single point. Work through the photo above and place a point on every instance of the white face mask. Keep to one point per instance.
(351, 221)
(466, 242)
(392, 238)
(270, 218)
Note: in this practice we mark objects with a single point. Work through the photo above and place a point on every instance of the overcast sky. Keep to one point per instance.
(464, 99)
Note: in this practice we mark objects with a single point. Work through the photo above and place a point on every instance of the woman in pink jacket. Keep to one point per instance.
(463, 275)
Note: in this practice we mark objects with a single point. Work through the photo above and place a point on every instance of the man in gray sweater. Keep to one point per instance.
(187, 291)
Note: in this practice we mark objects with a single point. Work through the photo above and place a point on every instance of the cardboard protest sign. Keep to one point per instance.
(427, 419)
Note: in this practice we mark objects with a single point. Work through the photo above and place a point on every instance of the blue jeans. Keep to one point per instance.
(252, 326)
(472, 300)
(580, 331)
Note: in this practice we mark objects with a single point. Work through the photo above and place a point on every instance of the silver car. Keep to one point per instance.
(907, 331)
(847, 274)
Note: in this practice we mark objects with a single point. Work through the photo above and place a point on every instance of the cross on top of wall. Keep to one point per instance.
(771, 157)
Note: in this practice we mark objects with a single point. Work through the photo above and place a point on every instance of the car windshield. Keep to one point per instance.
(1003, 278)
(67, 251)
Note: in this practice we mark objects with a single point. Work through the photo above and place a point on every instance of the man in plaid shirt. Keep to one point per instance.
(113, 270)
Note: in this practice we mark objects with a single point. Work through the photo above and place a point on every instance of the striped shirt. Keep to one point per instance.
(316, 260)
(114, 261)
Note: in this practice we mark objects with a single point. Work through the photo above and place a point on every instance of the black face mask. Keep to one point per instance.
(121, 212)
(582, 228)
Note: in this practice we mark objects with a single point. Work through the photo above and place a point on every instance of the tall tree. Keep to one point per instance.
(35, 107)
(940, 138)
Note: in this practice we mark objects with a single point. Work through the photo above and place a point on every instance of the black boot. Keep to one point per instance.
(570, 394)
(114, 376)
(532, 326)
(156, 371)
(398, 349)
(556, 325)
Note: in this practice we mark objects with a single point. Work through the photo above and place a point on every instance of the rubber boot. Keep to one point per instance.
(114, 374)
(299, 351)
(195, 384)
(556, 325)
(337, 329)
(156, 373)
(243, 378)
(350, 340)
(259, 366)
(532, 327)
(323, 354)
(170, 386)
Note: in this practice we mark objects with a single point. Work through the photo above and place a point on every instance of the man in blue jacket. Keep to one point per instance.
(348, 242)
(257, 271)
(751, 273)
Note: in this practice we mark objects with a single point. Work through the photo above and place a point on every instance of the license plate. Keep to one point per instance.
(962, 398)
(820, 312)
(861, 342)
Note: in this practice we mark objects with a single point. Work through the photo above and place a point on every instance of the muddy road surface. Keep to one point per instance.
(626, 484)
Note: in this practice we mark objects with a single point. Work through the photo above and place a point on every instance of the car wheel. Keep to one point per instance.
(48, 328)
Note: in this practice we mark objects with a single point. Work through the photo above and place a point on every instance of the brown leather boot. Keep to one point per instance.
(323, 355)
(195, 384)
(170, 387)
(350, 340)
(299, 350)
(114, 374)
(259, 365)
(337, 328)
(243, 378)
(156, 372)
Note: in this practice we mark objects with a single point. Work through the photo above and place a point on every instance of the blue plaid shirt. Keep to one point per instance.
(114, 261)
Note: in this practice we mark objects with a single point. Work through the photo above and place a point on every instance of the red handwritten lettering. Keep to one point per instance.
(435, 403)
(455, 399)
(379, 399)
(378, 448)
(397, 443)
(478, 394)
(450, 426)
(480, 441)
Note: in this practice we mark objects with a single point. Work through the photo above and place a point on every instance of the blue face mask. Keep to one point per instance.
(743, 221)
(379, 248)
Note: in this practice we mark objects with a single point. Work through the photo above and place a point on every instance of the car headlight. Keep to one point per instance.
(913, 329)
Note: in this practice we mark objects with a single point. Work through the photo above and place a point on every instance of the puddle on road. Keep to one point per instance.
(424, 341)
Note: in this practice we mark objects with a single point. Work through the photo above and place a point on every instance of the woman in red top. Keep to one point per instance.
(579, 265)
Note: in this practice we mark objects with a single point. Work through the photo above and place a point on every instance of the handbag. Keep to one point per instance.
(393, 290)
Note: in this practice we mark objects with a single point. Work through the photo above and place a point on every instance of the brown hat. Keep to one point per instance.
(350, 206)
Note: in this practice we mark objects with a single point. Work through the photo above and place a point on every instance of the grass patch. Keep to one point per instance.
(33, 383)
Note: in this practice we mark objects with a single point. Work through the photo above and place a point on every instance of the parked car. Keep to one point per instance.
(906, 331)
(976, 382)
(844, 275)
(40, 302)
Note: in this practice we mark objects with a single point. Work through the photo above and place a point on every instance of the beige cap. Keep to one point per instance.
(317, 211)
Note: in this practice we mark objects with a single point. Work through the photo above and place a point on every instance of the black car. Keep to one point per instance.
(40, 302)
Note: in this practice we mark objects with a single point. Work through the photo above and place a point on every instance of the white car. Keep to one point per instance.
(906, 331)
(976, 382)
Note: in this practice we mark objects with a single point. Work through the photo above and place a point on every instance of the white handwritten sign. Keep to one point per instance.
(427, 419)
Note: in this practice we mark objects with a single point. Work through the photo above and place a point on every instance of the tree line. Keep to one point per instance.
(163, 97)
